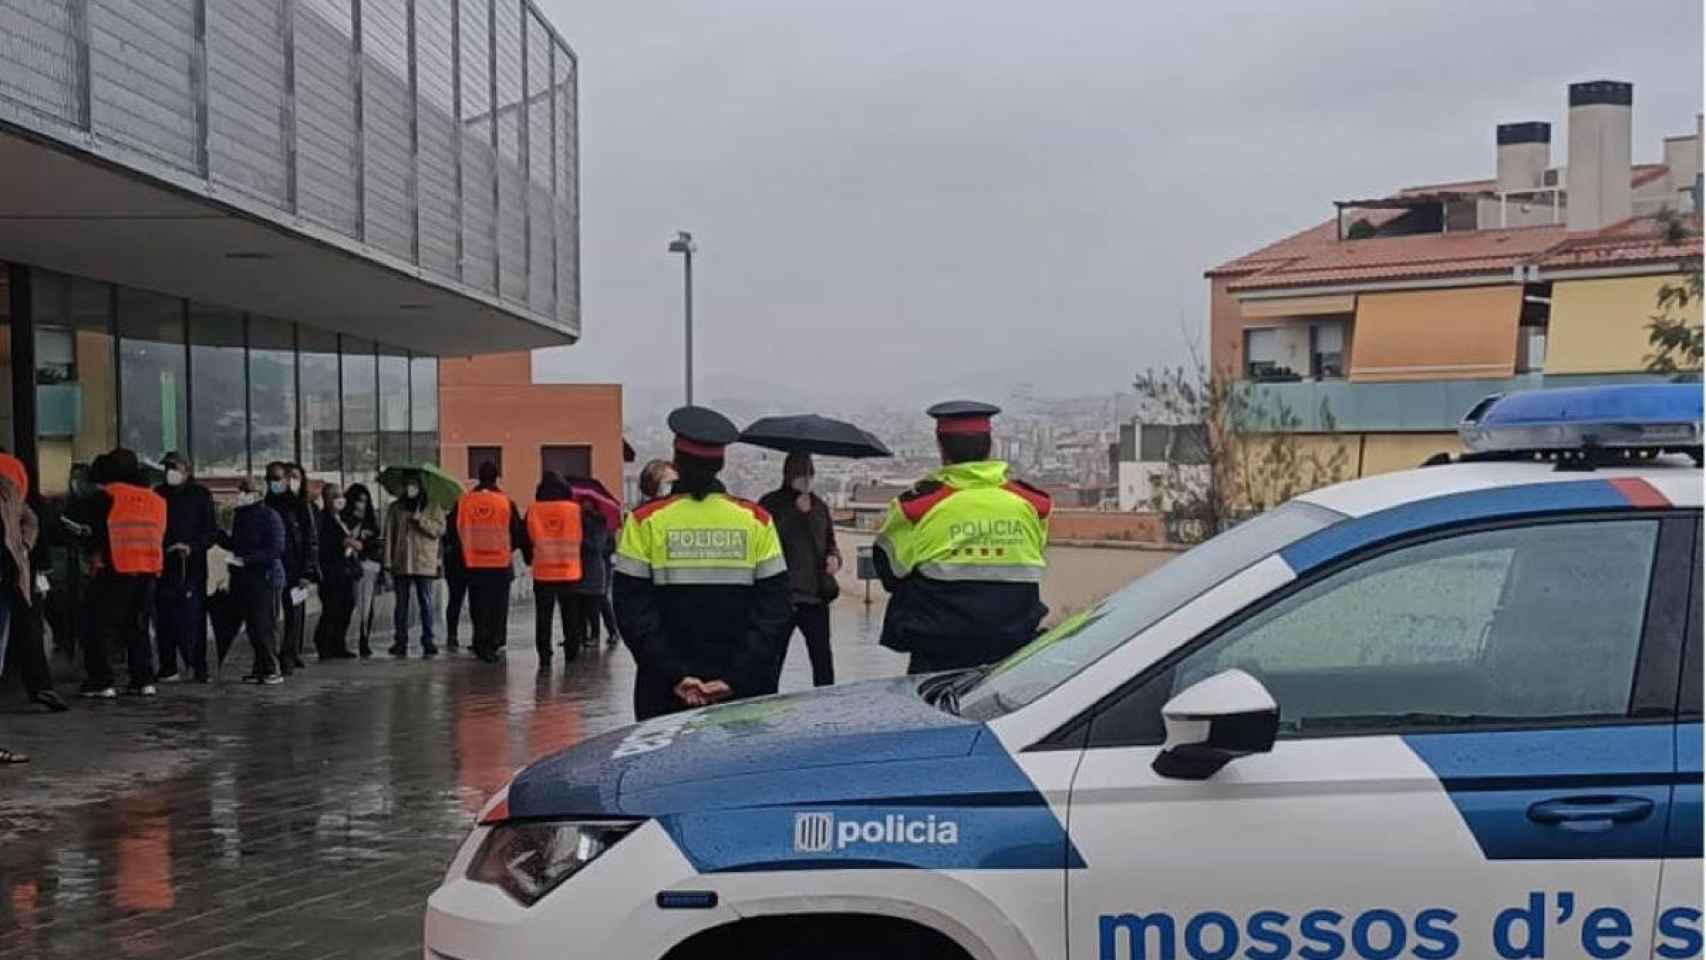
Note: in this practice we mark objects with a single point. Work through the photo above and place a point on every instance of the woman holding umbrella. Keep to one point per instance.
(808, 541)
(414, 523)
(805, 527)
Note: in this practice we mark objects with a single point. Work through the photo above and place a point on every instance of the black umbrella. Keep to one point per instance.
(810, 433)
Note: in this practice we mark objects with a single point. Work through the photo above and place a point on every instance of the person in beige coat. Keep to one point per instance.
(20, 623)
(413, 529)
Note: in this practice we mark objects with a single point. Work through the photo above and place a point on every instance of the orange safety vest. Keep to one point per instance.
(136, 529)
(482, 521)
(13, 468)
(555, 529)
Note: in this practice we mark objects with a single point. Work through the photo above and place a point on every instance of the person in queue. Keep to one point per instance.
(340, 571)
(962, 552)
(301, 560)
(455, 591)
(598, 545)
(258, 544)
(71, 567)
(489, 529)
(656, 479)
(808, 541)
(128, 530)
(360, 517)
(414, 525)
(21, 593)
(553, 551)
(180, 601)
(701, 586)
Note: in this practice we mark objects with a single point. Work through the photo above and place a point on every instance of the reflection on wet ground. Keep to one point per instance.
(303, 821)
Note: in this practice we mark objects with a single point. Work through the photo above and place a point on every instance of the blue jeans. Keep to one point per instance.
(422, 588)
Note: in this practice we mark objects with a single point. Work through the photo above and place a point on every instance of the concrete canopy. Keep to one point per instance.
(73, 212)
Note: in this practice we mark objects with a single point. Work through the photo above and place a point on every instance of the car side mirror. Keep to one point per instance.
(1215, 721)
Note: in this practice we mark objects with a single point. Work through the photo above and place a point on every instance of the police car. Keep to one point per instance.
(1452, 712)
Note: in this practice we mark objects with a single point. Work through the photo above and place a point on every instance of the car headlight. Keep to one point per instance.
(528, 859)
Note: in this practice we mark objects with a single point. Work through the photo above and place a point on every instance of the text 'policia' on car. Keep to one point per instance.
(1448, 712)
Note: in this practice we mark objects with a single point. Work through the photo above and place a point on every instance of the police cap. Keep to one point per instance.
(702, 432)
(963, 416)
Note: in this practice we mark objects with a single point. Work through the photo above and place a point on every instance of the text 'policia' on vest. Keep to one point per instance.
(963, 552)
(700, 586)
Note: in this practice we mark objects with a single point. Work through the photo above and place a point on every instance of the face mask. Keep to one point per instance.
(338, 504)
(248, 498)
(411, 490)
(801, 484)
(295, 484)
(174, 478)
(275, 486)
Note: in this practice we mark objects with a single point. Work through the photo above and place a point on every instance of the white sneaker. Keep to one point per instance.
(168, 678)
(146, 690)
(100, 693)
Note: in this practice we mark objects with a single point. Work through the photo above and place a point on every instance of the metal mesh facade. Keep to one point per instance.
(440, 134)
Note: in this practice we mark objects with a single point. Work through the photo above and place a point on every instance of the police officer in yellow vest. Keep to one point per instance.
(489, 530)
(701, 588)
(962, 552)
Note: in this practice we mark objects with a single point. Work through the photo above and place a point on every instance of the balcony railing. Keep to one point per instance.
(1318, 406)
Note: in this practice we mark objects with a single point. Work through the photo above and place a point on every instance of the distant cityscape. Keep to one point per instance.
(1063, 445)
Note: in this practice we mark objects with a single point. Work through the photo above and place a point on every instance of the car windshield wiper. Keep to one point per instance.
(1412, 719)
(943, 692)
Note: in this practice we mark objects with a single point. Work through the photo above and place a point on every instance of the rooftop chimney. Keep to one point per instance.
(1525, 149)
(1597, 179)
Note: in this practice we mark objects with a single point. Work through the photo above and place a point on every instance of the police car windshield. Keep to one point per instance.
(1089, 635)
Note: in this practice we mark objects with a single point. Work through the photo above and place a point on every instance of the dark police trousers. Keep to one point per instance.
(122, 603)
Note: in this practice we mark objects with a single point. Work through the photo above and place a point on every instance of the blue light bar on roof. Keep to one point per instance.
(1655, 416)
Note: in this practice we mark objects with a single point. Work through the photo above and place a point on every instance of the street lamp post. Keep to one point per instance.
(683, 244)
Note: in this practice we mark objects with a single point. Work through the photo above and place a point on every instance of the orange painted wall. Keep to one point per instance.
(493, 401)
(1225, 328)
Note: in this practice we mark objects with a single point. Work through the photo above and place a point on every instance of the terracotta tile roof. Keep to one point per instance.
(1409, 257)
(1314, 257)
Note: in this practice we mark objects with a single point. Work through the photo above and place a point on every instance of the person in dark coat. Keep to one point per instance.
(122, 601)
(301, 558)
(808, 541)
(258, 543)
(340, 571)
(455, 588)
(598, 544)
(180, 624)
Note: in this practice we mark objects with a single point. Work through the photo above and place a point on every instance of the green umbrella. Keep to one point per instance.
(441, 488)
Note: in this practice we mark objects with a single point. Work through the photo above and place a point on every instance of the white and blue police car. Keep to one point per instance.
(1452, 712)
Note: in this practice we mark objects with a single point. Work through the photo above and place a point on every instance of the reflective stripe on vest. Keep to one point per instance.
(482, 522)
(136, 529)
(554, 526)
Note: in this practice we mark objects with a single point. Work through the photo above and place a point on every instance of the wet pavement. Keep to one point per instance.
(309, 820)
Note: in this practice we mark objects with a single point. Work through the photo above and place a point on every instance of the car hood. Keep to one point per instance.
(769, 749)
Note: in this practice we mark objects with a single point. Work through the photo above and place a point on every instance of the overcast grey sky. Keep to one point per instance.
(908, 198)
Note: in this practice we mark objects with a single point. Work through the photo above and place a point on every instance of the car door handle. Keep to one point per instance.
(1590, 814)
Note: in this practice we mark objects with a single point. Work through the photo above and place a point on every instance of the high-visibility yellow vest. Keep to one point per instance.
(720, 540)
(968, 521)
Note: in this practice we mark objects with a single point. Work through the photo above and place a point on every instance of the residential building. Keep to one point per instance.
(1378, 328)
(249, 231)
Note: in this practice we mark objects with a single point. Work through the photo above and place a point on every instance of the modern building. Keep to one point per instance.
(249, 230)
(492, 410)
(1379, 327)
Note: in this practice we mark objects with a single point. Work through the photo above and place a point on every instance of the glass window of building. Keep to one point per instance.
(393, 407)
(219, 419)
(361, 414)
(423, 409)
(322, 447)
(152, 374)
(76, 396)
(272, 392)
